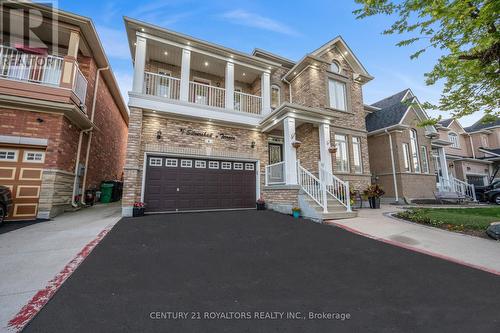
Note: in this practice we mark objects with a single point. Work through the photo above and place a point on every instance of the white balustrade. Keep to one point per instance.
(161, 85)
(458, 186)
(247, 103)
(275, 173)
(336, 187)
(205, 94)
(80, 86)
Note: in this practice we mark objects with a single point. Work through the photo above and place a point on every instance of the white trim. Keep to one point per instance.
(169, 165)
(249, 167)
(186, 163)
(156, 159)
(7, 151)
(201, 80)
(237, 166)
(211, 164)
(35, 152)
(204, 163)
(226, 165)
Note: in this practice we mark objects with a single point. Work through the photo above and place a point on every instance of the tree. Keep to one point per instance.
(468, 33)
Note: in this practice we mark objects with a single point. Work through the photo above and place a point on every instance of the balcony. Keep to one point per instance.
(38, 69)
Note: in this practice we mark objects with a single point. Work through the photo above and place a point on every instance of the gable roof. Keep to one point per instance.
(479, 125)
(392, 111)
(445, 122)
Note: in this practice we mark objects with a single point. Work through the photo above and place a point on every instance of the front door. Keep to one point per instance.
(275, 153)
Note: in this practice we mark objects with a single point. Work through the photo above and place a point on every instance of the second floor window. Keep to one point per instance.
(453, 138)
(357, 158)
(275, 96)
(342, 154)
(337, 93)
(414, 150)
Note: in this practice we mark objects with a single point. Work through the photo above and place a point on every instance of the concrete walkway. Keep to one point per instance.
(464, 249)
(32, 256)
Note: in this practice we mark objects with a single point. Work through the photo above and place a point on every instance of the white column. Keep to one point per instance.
(324, 143)
(185, 70)
(139, 64)
(444, 164)
(266, 92)
(229, 85)
(289, 152)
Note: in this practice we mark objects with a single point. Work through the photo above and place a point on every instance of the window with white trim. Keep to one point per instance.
(200, 164)
(238, 166)
(414, 150)
(337, 93)
(425, 159)
(171, 162)
(8, 155)
(453, 138)
(249, 166)
(406, 157)
(275, 96)
(34, 156)
(342, 155)
(226, 165)
(186, 164)
(213, 165)
(356, 150)
(155, 161)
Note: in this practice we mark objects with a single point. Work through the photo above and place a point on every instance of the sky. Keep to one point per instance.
(288, 28)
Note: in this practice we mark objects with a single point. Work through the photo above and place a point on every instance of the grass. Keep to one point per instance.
(456, 219)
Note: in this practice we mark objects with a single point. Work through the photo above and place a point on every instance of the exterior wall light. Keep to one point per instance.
(252, 144)
(158, 135)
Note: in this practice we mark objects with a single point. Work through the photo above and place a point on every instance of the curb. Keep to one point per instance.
(37, 302)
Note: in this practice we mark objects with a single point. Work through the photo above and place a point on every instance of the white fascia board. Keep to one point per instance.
(488, 152)
(191, 110)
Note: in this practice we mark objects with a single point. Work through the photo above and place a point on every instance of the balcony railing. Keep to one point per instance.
(204, 94)
(247, 103)
(275, 173)
(162, 85)
(80, 86)
(18, 65)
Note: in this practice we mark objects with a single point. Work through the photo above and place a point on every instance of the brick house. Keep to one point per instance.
(215, 128)
(424, 161)
(63, 122)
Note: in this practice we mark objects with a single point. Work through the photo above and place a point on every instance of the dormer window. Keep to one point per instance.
(453, 138)
(335, 68)
(275, 96)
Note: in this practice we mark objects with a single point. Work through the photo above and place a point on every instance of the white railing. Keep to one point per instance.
(17, 65)
(312, 186)
(162, 85)
(80, 86)
(458, 186)
(335, 187)
(207, 95)
(247, 103)
(275, 173)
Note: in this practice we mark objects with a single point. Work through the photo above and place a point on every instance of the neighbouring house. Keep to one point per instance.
(216, 128)
(401, 151)
(63, 121)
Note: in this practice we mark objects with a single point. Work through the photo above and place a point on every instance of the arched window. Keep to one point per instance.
(335, 67)
(275, 96)
(414, 150)
(453, 138)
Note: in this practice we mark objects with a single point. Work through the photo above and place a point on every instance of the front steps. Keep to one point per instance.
(310, 209)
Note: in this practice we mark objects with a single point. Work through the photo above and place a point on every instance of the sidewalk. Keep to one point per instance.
(464, 249)
(32, 256)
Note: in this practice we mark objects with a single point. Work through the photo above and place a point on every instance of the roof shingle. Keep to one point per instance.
(392, 110)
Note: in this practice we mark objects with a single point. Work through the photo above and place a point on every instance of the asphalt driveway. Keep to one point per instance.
(251, 264)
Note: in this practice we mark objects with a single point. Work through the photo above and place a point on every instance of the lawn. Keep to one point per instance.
(456, 219)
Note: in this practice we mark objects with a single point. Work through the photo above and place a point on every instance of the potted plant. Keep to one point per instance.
(261, 204)
(332, 149)
(373, 193)
(296, 212)
(138, 209)
(296, 144)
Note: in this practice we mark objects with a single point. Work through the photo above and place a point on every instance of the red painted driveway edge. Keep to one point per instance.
(405, 246)
(30, 310)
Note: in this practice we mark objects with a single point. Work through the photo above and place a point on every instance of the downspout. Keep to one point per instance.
(89, 143)
(393, 167)
(289, 89)
(75, 181)
(472, 146)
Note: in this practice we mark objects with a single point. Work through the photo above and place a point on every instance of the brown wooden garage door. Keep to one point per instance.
(21, 171)
(183, 184)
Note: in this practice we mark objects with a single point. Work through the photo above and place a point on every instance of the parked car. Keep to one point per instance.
(481, 190)
(493, 196)
(5, 202)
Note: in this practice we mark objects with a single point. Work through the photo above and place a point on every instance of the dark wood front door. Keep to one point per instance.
(184, 184)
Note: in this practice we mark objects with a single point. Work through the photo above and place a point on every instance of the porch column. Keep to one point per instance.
(444, 165)
(139, 64)
(289, 152)
(229, 85)
(324, 144)
(185, 69)
(266, 93)
(70, 60)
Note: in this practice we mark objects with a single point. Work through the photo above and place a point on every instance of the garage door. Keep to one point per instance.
(184, 184)
(21, 171)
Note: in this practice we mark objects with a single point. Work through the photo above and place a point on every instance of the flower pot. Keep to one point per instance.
(261, 206)
(332, 150)
(374, 202)
(138, 211)
(296, 214)
(296, 144)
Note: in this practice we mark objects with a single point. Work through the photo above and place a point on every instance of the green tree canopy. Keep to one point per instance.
(468, 33)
